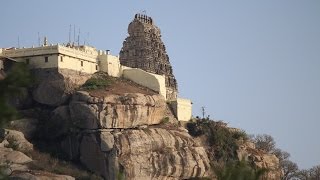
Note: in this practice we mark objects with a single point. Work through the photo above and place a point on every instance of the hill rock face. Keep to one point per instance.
(62, 83)
(116, 134)
(112, 136)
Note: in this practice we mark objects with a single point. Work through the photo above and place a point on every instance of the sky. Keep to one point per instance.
(254, 64)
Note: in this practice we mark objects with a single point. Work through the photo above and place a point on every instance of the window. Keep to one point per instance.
(46, 59)
(81, 63)
(61, 58)
(96, 67)
(27, 61)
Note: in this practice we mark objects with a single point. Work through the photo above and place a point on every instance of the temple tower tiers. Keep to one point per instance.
(144, 49)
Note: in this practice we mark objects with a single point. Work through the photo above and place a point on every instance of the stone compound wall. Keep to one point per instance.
(144, 49)
(182, 108)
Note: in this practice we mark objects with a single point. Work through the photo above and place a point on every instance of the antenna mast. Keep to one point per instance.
(70, 34)
(88, 35)
(74, 34)
(38, 39)
(79, 38)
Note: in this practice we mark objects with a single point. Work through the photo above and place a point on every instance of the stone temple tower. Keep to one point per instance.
(144, 49)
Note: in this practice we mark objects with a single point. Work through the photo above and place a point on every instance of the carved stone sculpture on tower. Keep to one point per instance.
(144, 49)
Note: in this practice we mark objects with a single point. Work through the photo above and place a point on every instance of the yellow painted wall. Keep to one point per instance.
(73, 63)
(39, 61)
(71, 57)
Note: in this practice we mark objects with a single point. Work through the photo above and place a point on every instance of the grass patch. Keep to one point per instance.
(165, 120)
(98, 80)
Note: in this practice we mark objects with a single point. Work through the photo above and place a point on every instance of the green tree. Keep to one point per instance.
(16, 79)
(222, 141)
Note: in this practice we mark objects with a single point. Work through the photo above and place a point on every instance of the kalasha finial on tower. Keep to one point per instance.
(142, 17)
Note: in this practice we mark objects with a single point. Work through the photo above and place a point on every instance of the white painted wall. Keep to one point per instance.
(182, 109)
(149, 80)
(110, 64)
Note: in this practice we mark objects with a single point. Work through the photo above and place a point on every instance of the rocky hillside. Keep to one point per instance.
(112, 127)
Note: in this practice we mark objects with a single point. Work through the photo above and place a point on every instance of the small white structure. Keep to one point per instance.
(109, 63)
(182, 108)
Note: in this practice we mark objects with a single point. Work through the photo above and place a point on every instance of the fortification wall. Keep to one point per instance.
(149, 80)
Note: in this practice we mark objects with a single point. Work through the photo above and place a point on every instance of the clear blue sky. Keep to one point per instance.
(254, 64)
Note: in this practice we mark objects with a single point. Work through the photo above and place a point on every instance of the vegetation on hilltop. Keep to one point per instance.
(97, 81)
(222, 141)
(101, 84)
(17, 78)
(290, 169)
(238, 170)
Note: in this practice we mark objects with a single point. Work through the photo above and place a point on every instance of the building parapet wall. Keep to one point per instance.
(81, 52)
(25, 52)
(89, 55)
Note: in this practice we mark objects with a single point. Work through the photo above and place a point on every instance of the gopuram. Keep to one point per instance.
(144, 49)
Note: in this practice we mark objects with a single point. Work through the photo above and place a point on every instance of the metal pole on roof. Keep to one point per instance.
(79, 38)
(70, 34)
(38, 39)
(74, 33)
